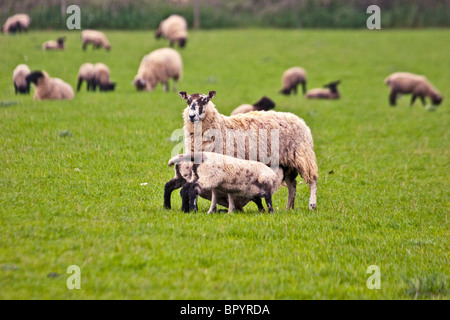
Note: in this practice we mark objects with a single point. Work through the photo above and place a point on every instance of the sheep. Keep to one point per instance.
(158, 67)
(417, 85)
(173, 28)
(329, 91)
(49, 88)
(184, 174)
(54, 45)
(263, 104)
(100, 77)
(20, 73)
(229, 175)
(294, 141)
(86, 73)
(16, 23)
(97, 38)
(291, 79)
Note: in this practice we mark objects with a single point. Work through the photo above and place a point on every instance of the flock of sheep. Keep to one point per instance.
(219, 176)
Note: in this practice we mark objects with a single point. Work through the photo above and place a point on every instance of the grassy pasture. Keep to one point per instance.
(73, 173)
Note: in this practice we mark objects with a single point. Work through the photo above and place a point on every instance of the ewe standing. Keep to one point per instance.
(291, 79)
(16, 23)
(173, 28)
(96, 38)
(292, 146)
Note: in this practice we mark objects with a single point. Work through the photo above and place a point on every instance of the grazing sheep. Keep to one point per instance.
(16, 23)
(184, 174)
(229, 175)
(20, 73)
(86, 73)
(291, 79)
(295, 143)
(54, 45)
(417, 85)
(49, 88)
(158, 67)
(263, 104)
(329, 91)
(173, 28)
(101, 78)
(97, 38)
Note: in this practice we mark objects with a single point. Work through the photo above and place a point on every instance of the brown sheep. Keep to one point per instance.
(263, 104)
(16, 23)
(97, 38)
(49, 88)
(101, 78)
(329, 91)
(20, 73)
(291, 79)
(173, 28)
(54, 45)
(417, 85)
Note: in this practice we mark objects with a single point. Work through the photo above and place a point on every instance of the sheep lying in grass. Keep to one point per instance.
(329, 91)
(16, 23)
(20, 73)
(292, 138)
(54, 45)
(86, 73)
(173, 28)
(49, 88)
(158, 67)
(228, 175)
(263, 104)
(417, 85)
(184, 174)
(97, 38)
(291, 79)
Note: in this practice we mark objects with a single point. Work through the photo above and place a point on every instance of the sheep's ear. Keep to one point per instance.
(183, 95)
(211, 95)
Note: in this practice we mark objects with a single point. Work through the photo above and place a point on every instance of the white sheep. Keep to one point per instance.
(20, 73)
(86, 73)
(291, 78)
(17, 23)
(49, 88)
(97, 38)
(329, 91)
(263, 104)
(54, 45)
(292, 138)
(175, 29)
(158, 67)
(184, 174)
(235, 177)
(100, 77)
(417, 85)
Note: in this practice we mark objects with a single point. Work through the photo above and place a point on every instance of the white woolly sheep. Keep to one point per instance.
(417, 85)
(158, 67)
(329, 91)
(235, 177)
(173, 28)
(184, 174)
(86, 73)
(49, 88)
(295, 152)
(101, 78)
(20, 73)
(263, 104)
(16, 23)
(54, 45)
(291, 79)
(97, 38)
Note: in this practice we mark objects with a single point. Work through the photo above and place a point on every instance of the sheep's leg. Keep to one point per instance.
(268, 199)
(184, 192)
(422, 98)
(165, 86)
(304, 87)
(174, 86)
(194, 190)
(80, 81)
(312, 195)
(173, 184)
(213, 206)
(15, 87)
(295, 89)
(413, 98)
(231, 207)
(393, 98)
(258, 202)
(292, 187)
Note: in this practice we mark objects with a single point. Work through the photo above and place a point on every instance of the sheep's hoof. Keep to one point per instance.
(312, 206)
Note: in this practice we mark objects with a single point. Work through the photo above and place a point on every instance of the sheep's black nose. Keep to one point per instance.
(191, 118)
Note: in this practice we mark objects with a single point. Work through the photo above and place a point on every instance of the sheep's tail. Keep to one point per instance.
(186, 157)
(306, 166)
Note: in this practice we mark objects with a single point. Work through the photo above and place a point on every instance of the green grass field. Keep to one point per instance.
(73, 173)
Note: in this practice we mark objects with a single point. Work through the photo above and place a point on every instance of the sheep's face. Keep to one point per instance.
(34, 77)
(197, 104)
